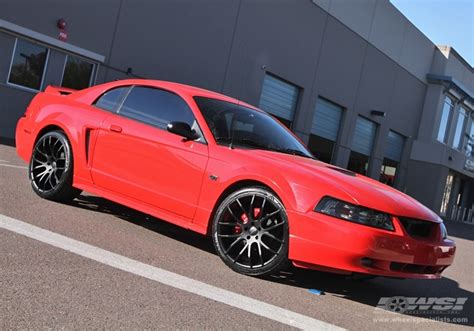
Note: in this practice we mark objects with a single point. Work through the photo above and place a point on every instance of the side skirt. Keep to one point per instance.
(142, 207)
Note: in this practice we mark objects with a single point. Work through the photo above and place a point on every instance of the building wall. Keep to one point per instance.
(41, 17)
(426, 182)
(91, 23)
(361, 55)
(381, 24)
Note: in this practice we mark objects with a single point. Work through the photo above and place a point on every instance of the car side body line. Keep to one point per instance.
(157, 172)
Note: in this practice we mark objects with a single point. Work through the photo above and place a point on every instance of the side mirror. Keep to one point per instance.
(182, 129)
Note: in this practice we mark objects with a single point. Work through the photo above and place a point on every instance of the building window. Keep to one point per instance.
(392, 157)
(446, 194)
(362, 145)
(460, 129)
(77, 73)
(279, 98)
(28, 64)
(325, 129)
(446, 116)
(470, 141)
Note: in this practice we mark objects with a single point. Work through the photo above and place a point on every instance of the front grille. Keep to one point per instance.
(416, 268)
(418, 228)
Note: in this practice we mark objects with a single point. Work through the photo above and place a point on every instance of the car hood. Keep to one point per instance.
(362, 190)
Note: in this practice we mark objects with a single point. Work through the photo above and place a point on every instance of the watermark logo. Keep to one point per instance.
(422, 305)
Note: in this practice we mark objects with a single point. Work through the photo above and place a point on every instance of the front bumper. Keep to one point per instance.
(326, 243)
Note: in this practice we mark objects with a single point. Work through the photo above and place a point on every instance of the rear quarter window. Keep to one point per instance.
(112, 99)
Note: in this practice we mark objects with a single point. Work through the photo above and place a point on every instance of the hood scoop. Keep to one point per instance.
(343, 171)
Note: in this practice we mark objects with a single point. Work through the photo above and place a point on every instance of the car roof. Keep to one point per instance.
(183, 88)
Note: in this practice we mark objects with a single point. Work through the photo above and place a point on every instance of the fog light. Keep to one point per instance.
(366, 262)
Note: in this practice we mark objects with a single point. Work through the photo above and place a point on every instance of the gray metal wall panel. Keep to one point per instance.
(376, 83)
(282, 37)
(324, 4)
(380, 23)
(184, 41)
(340, 64)
(417, 52)
(426, 181)
(456, 69)
(91, 23)
(388, 29)
(406, 104)
(357, 15)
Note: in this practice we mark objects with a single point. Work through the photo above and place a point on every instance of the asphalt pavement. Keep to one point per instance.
(45, 284)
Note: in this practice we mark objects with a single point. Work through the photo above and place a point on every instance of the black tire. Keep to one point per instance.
(51, 168)
(250, 232)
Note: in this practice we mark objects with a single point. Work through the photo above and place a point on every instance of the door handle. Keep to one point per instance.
(115, 128)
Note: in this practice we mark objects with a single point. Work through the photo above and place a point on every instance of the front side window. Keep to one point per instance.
(112, 99)
(156, 107)
(460, 125)
(446, 115)
(241, 127)
(77, 73)
(28, 64)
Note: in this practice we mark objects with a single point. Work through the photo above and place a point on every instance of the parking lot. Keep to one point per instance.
(51, 284)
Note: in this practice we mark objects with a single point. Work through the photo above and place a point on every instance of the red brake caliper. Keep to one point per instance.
(245, 219)
(256, 213)
(237, 228)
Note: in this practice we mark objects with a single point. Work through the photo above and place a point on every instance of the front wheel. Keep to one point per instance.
(250, 232)
(51, 168)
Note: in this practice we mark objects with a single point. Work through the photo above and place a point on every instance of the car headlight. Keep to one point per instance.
(353, 213)
(444, 232)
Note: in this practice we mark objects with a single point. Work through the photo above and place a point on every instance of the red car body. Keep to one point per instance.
(158, 173)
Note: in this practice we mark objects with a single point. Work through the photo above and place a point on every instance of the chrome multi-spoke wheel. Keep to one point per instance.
(51, 167)
(250, 232)
(49, 162)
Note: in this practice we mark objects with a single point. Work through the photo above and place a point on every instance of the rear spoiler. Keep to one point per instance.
(57, 90)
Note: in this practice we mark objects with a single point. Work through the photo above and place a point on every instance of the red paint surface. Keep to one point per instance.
(156, 172)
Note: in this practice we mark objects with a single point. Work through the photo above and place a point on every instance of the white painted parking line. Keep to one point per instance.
(165, 277)
(13, 166)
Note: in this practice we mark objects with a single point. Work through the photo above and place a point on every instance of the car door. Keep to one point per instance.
(136, 156)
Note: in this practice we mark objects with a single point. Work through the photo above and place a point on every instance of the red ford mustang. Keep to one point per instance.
(218, 166)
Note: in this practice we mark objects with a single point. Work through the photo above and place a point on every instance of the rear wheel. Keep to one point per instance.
(250, 232)
(51, 168)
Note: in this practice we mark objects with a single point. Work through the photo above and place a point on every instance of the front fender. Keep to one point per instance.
(230, 173)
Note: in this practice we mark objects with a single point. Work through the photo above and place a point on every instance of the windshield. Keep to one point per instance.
(237, 126)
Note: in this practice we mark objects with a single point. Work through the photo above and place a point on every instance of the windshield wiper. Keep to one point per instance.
(245, 142)
(295, 152)
(253, 143)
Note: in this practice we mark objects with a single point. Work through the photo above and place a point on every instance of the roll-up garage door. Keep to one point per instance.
(326, 120)
(394, 146)
(364, 136)
(279, 97)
